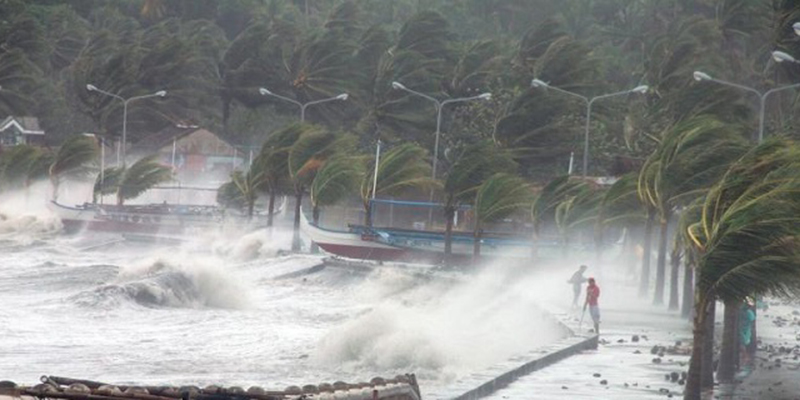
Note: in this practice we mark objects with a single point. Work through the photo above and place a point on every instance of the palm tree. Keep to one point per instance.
(691, 156)
(141, 176)
(242, 190)
(272, 163)
(748, 239)
(622, 209)
(471, 168)
(580, 211)
(336, 180)
(306, 156)
(75, 156)
(402, 168)
(543, 208)
(498, 197)
(107, 183)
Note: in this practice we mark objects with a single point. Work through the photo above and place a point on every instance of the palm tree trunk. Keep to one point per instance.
(727, 353)
(271, 212)
(707, 372)
(368, 214)
(675, 264)
(298, 196)
(688, 286)
(251, 203)
(315, 217)
(476, 243)
(449, 213)
(694, 378)
(661, 266)
(644, 284)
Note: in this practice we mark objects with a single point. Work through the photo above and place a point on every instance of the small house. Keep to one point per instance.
(20, 130)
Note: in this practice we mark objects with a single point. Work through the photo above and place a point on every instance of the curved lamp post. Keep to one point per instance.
(302, 106)
(93, 88)
(439, 105)
(779, 57)
(537, 83)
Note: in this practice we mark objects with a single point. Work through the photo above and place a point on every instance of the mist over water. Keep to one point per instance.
(225, 308)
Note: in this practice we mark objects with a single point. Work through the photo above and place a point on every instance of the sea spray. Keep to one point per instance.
(439, 329)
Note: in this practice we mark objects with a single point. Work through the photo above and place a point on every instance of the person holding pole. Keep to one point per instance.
(592, 294)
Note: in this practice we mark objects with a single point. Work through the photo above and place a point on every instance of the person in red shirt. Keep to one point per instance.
(592, 293)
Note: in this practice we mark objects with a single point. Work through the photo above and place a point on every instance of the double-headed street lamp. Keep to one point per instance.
(439, 105)
(778, 56)
(537, 83)
(302, 106)
(93, 88)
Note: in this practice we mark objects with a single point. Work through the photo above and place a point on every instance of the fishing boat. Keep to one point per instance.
(158, 218)
(408, 245)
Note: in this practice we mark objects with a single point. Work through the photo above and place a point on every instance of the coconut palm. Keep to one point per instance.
(498, 197)
(691, 156)
(273, 164)
(543, 208)
(107, 183)
(621, 209)
(336, 180)
(141, 176)
(579, 212)
(241, 191)
(306, 156)
(474, 164)
(402, 168)
(748, 240)
(76, 156)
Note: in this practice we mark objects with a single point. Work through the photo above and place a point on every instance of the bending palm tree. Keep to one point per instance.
(748, 240)
(107, 183)
(497, 198)
(401, 168)
(334, 182)
(141, 176)
(474, 165)
(75, 156)
(306, 157)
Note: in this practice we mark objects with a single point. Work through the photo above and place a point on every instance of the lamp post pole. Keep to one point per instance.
(93, 88)
(589, 102)
(439, 106)
(762, 97)
(302, 106)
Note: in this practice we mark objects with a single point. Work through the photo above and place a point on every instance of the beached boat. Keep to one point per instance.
(147, 219)
(406, 245)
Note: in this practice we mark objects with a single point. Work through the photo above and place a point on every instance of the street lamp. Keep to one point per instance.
(702, 76)
(439, 105)
(537, 83)
(302, 106)
(93, 88)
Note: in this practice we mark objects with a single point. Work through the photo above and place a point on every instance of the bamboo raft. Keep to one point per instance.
(402, 387)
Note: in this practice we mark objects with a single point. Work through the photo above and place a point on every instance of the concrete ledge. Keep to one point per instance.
(503, 380)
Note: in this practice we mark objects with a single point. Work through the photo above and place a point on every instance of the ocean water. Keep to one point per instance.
(227, 309)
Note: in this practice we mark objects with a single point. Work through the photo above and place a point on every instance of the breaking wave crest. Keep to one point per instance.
(167, 284)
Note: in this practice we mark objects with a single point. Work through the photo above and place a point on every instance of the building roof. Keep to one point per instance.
(26, 125)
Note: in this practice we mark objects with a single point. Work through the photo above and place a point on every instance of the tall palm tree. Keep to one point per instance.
(543, 208)
(621, 209)
(107, 183)
(402, 168)
(336, 180)
(748, 239)
(76, 156)
(141, 176)
(580, 212)
(691, 156)
(306, 156)
(471, 168)
(498, 197)
(273, 164)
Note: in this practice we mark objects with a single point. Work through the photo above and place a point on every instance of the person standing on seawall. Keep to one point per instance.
(592, 294)
(577, 281)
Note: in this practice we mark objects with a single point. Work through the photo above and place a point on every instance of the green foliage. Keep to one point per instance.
(141, 176)
(336, 180)
(402, 168)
